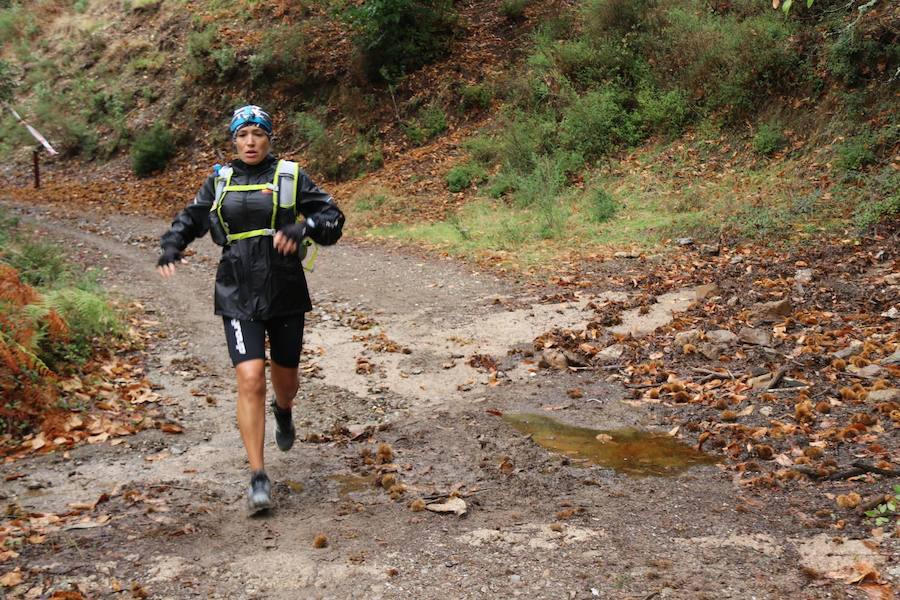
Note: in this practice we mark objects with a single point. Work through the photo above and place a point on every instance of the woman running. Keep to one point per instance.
(260, 210)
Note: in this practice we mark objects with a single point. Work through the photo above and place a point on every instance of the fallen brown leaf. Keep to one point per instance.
(12, 578)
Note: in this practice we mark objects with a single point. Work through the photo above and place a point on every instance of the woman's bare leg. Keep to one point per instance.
(251, 409)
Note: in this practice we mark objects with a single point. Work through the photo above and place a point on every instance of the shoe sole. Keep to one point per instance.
(258, 505)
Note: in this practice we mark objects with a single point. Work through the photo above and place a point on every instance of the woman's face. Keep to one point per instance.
(252, 144)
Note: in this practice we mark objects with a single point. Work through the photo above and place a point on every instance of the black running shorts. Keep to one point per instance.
(247, 339)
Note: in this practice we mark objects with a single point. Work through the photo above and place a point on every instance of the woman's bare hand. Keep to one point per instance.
(284, 244)
(166, 271)
(165, 266)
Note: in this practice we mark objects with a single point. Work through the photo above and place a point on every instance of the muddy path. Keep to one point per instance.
(394, 354)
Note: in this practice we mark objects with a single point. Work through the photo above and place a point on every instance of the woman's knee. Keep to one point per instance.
(251, 377)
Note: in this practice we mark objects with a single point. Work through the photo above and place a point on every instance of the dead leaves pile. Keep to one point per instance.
(109, 401)
(105, 400)
(788, 364)
(380, 342)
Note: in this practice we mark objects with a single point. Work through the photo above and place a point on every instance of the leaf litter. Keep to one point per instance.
(786, 364)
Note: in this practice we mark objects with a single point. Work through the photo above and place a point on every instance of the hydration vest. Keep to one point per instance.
(284, 206)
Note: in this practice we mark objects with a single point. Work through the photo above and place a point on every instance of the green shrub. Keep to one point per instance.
(880, 197)
(856, 153)
(523, 138)
(39, 264)
(82, 117)
(854, 55)
(225, 61)
(601, 206)
(662, 112)
(502, 184)
(433, 120)
(281, 57)
(483, 149)
(414, 132)
(78, 138)
(614, 59)
(200, 45)
(152, 150)
(871, 213)
(394, 37)
(581, 62)
(596, 123)
(141, 5)
(309, 127)
(530, 92)
(363, 156)
(616, 17)
(8, 81)
(153, 62)
(14, 22)
(429, 123)
(769, 139)
(462, 176)
(260, 62)
(476, 96)
(541, 190)
(208, 56)
(513, 9)
(725, 59)
(546, 181)
(331, 155)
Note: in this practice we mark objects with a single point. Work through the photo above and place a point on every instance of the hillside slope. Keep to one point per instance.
(533, 129)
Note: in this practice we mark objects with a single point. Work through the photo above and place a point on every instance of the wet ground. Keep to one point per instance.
(629, 451)
(548, 494)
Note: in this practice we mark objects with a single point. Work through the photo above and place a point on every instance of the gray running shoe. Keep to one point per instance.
(285, 432)
(259, 494)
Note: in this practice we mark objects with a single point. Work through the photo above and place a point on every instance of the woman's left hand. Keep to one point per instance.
(288, 240)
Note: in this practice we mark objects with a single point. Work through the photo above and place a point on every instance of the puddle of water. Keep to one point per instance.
(353, 483)
(630, 451)
(295, 486)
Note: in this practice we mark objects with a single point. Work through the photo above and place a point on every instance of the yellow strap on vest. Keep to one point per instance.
(249, 188)
(218, 202)
(249, 234)
(309, 260)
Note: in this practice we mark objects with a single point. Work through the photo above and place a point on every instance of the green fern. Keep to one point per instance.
(87, 316)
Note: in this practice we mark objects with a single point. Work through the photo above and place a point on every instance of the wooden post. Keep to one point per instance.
(37, 169)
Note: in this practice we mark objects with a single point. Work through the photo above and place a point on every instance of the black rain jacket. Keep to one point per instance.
(254, 281)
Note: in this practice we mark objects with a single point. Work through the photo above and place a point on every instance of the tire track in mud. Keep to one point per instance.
(544, 527)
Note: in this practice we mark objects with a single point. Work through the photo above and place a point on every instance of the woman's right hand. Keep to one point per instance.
(289, 239)
(165, 266)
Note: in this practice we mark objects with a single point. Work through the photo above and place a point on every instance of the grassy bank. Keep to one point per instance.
(633, 123)
(689, 188)
(53, 318)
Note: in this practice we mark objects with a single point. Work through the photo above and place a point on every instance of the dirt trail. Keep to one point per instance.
(538, 525)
